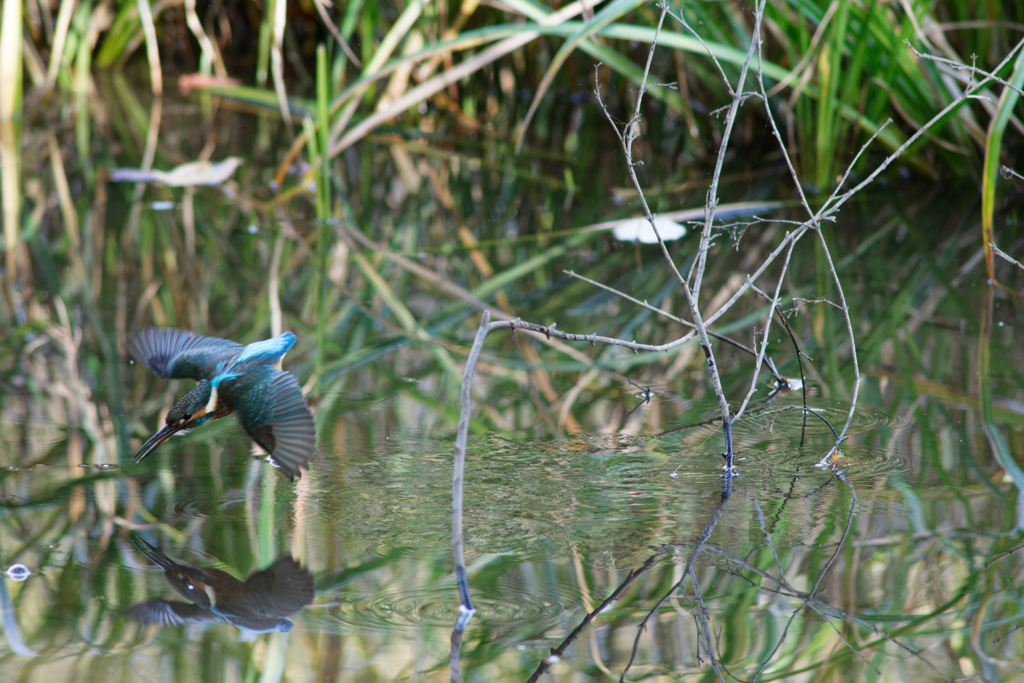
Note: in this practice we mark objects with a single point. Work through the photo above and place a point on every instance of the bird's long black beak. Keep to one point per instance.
(153, 554)
(166, 432)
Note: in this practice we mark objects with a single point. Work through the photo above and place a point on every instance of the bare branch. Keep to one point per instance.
(712, 197)
(459, 470)
(958, 66)
(721, 71)
(1004, 255)
(666, 314)
(1008, 173)
(626, 138)
(767, 328)
(832, 206)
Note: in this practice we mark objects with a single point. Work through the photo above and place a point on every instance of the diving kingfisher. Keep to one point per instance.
(258, 604)
(232, 377)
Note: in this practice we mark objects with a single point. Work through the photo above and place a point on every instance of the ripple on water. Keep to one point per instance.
(435, 606)
(865, 418)
(785, 423)
(188, 508)
(373, 550)
(603, 496)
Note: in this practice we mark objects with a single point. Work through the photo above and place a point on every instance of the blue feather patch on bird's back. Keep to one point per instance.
(267, 352)
(224, 377)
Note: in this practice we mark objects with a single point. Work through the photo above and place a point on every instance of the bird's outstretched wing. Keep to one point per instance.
(283, 588)
(176, 354)
(273, 411)
(169, 613)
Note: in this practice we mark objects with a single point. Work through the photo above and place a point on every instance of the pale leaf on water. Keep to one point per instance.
(640, 230)
(186, 175)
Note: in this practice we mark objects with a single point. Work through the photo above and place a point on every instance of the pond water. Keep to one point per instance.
(594, 481)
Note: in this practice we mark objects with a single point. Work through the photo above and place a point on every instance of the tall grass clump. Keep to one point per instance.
(835, 70)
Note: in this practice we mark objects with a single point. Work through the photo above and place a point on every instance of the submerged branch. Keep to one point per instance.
(557, 652)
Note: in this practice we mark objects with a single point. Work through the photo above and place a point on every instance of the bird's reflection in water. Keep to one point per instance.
(258, 604)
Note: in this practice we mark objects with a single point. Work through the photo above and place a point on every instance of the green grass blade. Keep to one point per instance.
(60, 36)
(993, 146)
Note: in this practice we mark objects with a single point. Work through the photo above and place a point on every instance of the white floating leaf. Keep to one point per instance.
(640, 230)
(186, 175)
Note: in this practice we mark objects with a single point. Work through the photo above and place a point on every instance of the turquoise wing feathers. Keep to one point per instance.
(273, 411)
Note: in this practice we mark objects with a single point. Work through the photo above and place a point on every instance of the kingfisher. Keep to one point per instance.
(232, 378)
(258, 604)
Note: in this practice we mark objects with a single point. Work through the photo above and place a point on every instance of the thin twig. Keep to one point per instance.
(815, 222)
(809, 411)
(807, 302)
(764, 337)
(856, 158)
(853, 344)
(712, 197)
(778, 136)
(831, 207)
(721, 337)
(721, 71)
(1004, 255)
(322, 11)
(958, 66)
(459, 470)
(626, 139)
(799, 354)
(458, 292)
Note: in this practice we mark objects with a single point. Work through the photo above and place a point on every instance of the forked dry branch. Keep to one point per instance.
(691, 285)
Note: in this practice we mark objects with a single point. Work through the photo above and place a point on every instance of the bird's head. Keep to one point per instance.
(191, 411)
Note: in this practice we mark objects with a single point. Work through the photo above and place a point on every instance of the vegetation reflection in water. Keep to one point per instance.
(601, 539)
